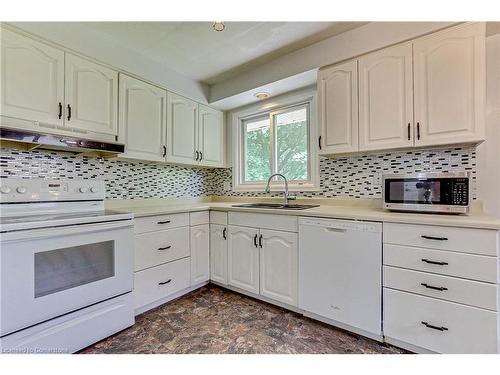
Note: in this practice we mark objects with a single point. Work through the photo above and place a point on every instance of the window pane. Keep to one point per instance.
(258, 150)
(292, 144)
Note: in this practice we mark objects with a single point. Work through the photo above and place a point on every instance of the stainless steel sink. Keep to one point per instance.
(277, 206)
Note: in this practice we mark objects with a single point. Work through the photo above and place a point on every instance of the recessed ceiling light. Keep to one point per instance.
(218, 26)
(261, 95)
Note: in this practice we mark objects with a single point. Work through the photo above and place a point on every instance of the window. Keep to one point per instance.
(276, 141)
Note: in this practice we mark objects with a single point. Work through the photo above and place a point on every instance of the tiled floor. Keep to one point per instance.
(214, 320)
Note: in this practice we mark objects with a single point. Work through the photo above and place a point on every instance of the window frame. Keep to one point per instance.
(269, 109)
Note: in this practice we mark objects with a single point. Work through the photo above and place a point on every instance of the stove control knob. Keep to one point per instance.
(5, 189)
(83, 189)
(93, 189)
(21, 190)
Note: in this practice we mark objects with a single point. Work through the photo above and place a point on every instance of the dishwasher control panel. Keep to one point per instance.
(347, 225)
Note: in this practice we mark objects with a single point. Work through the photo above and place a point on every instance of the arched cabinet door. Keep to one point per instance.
(338, 108)
(143, 120)
(32, 81)
(386, 99)
(200, 243)
(449, 79)
(243, 258)
(210, 137)
(279, 266)
(91, 92)
(218, 253)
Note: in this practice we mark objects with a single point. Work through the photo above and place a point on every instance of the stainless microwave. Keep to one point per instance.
(427, 192)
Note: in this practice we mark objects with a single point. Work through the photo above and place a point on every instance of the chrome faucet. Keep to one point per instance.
(287, 196)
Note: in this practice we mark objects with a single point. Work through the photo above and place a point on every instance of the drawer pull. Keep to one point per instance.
(434, 262)
(164, 222)
(434, 327)
(441, 288)
(434, 238)
(165, 282)
(164, 248)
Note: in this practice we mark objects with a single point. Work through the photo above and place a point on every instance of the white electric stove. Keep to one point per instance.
(66, 266)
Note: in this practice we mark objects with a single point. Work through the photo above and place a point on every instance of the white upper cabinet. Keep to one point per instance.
(91, 92)
(32, 80)
(386, 99)
(182, 123)
(449, 75)
(279, 266)
(210, 137)
(143, 120)
(200, 265)
(338, 108)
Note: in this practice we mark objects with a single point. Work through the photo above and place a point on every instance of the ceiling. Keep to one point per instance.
(195, 50)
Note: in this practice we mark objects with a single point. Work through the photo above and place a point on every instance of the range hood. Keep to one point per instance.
(33, 139)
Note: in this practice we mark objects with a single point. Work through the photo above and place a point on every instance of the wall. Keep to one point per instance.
(356, 176)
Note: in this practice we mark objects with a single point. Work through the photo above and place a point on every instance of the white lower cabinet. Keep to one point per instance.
(159, 282)
(279, 266)
(437, 325)
(200, 268)
(243, 258)
(218, 253)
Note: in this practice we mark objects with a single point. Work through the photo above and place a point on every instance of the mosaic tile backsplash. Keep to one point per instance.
(354, 176)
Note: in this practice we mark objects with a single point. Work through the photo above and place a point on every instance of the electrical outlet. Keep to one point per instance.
(377, 179)
(227, 185)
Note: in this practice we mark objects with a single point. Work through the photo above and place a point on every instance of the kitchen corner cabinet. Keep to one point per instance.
(426, 92)
(91, 92)
(218, 253)
(449, 76)
(32, 80)
(200, 268)
(279, 266)
(195, 133)
(142, 119)
(243, 258)
(386, 99)
(338, 108)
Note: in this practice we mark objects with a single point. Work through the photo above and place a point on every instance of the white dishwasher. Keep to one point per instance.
(340, 273)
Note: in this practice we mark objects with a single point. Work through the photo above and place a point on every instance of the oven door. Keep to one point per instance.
(49, 272)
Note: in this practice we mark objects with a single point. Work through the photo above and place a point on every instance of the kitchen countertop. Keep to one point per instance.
(343, 210)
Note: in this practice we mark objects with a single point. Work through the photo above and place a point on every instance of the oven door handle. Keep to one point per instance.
(65, 230)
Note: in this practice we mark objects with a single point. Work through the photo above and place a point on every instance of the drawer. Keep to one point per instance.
(160, 222)
(464, 329)
(474, 241)
(473, 293)
(199, 218)
(218, 217)
(266, 221)
(154, 248)
(475, 267)
(159, 282)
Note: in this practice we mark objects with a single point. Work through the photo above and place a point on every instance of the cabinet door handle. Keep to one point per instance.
(260, 241)
(440, 288)
(60, 110)
(434, 327)
(165, 282)
(434, 262)
(201, 156)
(163, 222)
(197, 155)
(164, 153)
(164, 248)
(409, 131)
(319, 142)
(434, 238)
(224, 233)
(255, 241)
(418, 130)
(69, 112)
